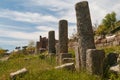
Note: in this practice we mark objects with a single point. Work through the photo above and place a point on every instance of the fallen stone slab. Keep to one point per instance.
(19, 72)
(68, 66)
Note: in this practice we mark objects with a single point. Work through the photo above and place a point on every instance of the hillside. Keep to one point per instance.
(41, 67)
(38, 69)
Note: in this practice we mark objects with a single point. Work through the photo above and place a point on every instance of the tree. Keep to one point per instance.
(118, 23)
(31, 47)
(31, 43)
(101, 30)
(108, 24)
(109, 21)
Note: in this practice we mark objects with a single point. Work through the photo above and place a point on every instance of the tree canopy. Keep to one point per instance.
(108, 24)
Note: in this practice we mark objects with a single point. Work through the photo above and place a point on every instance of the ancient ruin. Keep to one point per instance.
(84, 28)
(63, 55)
(51, 42)
(63, 36)
(83, 52)
(41, 45)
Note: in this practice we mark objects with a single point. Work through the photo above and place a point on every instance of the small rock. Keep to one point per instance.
(115, 69)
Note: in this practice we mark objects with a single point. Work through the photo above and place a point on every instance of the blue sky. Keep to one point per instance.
(24, 20)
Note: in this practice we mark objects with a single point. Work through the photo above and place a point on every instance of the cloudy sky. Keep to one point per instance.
(24, 20)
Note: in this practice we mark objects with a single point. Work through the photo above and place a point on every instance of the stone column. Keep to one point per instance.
(37, 50)
(84, 29)
(63, 55)
(51, 42)
(95, 61)
(63, 36)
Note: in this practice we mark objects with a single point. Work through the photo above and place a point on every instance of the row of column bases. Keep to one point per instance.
(87, 56)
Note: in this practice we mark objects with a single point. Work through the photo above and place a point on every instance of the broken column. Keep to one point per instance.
(94, 61)
(84, 29)
(63, 55)
(51, 42)
(63, 36)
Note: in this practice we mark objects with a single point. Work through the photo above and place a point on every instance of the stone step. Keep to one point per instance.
(64, 55)
(67, 60)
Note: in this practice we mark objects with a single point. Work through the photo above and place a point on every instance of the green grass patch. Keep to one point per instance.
(71, 51)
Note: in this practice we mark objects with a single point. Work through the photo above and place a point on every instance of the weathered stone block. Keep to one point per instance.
(95, 60)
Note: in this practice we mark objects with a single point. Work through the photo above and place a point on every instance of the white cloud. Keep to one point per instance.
(100, 8)
(26, 16)
(8, 27)
(64, 8)
(41, 30)
(14, 42)
(97, 13)
(21, 35)
(44, 28)
(54, 4)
